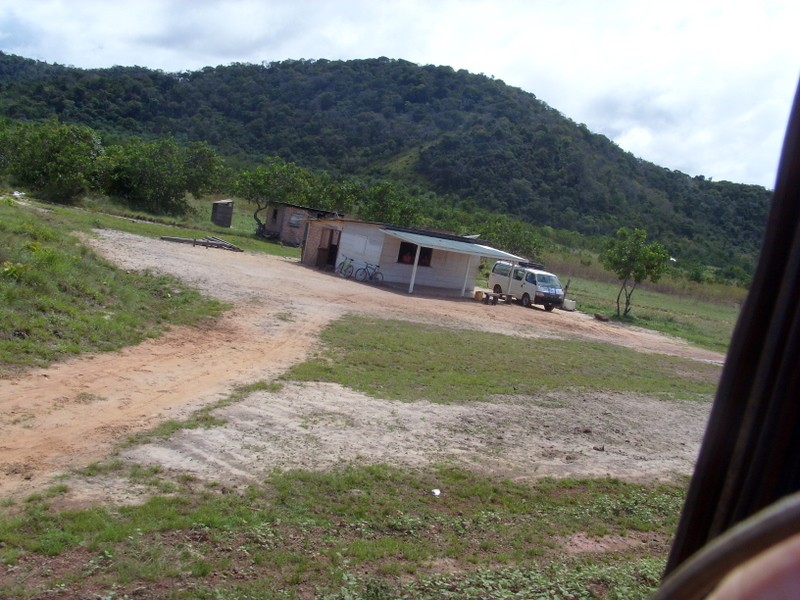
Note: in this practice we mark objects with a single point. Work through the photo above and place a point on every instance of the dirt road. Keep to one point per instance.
(67, 416)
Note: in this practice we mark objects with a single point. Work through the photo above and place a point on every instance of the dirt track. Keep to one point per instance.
(64, 417)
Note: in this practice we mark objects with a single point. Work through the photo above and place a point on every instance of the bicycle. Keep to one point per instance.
(345, 268)
(370, 273)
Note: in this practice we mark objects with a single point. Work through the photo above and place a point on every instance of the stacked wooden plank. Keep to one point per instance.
(209, 242)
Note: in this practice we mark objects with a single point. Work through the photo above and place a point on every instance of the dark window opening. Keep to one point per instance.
(408, 251)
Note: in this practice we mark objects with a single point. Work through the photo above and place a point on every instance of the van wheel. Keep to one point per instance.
(497, 289)
(549, 307)
(525, 301)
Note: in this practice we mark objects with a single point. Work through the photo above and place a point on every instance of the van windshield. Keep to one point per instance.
(548, 280)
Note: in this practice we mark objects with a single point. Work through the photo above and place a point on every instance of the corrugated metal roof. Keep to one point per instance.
(452, 245)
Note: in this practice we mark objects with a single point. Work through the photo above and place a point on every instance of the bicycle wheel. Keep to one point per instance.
(348, 271)
(361, 274)
(377, 278)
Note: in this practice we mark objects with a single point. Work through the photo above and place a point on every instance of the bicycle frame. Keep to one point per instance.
(370, 273)
(345, 268)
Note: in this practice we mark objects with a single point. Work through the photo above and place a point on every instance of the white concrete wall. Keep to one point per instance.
(362, 243)
(366, 243)
(446, 270)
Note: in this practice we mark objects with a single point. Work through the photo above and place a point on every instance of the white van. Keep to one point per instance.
(528, 283)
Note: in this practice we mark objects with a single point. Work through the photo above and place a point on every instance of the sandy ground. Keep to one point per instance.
(62, 418)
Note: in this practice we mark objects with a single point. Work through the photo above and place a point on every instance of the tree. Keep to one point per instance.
(150, 176)
(55, 160)
(6, 147)
(272, 182)
(390, 203)
(339, 193)
(509, 234)
(634, 261)
(204, 169)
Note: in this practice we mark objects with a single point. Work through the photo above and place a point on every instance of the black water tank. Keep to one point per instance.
(222, 213)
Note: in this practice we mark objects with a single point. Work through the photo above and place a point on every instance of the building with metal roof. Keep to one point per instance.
(409, 258)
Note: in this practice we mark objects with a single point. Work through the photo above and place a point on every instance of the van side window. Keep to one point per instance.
(501, 269)
(518, 274)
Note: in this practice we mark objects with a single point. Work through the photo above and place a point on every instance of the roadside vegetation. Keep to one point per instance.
(705, 323)
(99, 213)
(359, 532)
(701, 312)
(57, 298)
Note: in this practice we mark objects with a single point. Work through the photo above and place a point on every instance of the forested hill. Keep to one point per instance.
(467, 137)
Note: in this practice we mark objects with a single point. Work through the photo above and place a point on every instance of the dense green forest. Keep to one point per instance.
(462, 140)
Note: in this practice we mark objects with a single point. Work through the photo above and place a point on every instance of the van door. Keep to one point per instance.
(517, 285)
(530, 287)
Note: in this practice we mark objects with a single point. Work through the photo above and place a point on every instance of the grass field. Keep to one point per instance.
(703, 314)
(359, 532)
(59, 299)
(371, 531)
(197, 224)
(704, 323)
(402, 361)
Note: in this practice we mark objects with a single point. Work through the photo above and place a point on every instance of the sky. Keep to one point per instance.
(704, 87)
